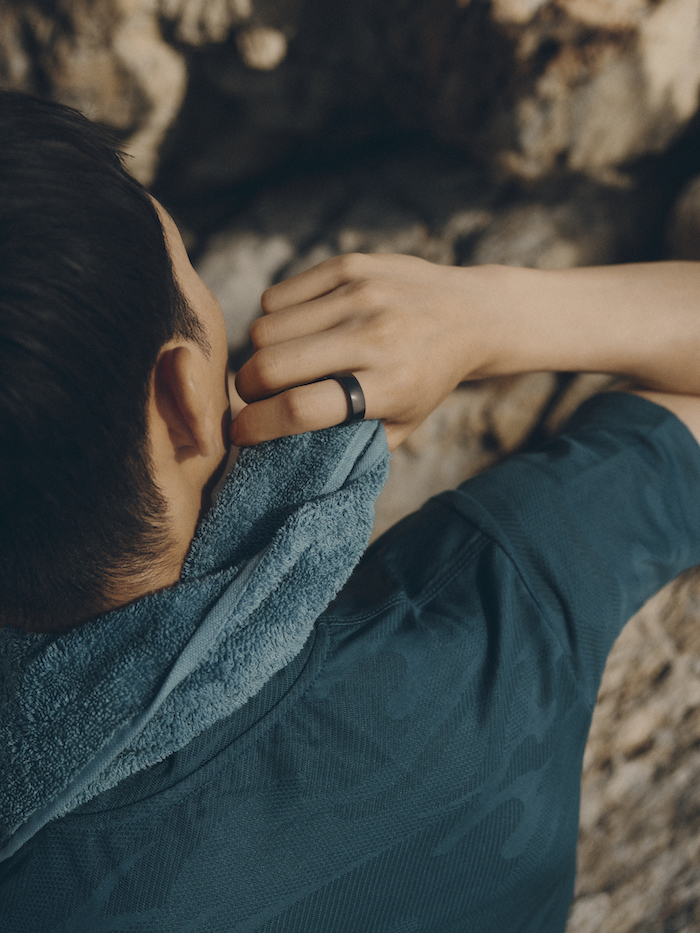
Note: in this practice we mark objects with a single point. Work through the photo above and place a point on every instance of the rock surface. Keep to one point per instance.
(619, 78)
(639, 846)
(105, 57)
(528, 86)
(684, 227)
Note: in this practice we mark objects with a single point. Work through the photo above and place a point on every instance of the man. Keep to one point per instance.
(196, 735)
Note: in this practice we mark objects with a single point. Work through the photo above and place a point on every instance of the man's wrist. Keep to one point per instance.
(508, 323)
(638, 321)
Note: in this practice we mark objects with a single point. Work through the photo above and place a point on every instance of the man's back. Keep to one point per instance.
(416, 766)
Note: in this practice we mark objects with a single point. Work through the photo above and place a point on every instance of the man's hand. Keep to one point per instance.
(400, 324)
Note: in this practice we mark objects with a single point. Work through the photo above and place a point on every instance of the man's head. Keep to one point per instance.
(112, 376)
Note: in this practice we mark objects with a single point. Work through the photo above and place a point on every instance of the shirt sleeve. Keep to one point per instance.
(596, 521)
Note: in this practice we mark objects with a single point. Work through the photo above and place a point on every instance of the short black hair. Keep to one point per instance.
(87, 299)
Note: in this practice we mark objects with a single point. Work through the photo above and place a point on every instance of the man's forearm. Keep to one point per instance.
(640, 321)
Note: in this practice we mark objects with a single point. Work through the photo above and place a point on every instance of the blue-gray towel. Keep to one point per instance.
(79, 712)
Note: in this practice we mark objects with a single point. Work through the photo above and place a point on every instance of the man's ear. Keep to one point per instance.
(183, 402)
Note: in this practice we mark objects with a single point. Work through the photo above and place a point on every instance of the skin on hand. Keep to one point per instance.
(396, 322)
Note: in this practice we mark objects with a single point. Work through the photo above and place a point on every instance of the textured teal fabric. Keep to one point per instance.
(415, 768)
(82, 711)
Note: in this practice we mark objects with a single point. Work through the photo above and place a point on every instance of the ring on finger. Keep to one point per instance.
(354, 395)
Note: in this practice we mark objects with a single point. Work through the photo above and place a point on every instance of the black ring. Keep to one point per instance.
(354, 395)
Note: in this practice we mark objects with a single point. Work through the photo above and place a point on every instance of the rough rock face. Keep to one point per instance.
(639, 845)
(527, 85)
(105, 57)
(530, 87)
(619, 77)
(684, 227)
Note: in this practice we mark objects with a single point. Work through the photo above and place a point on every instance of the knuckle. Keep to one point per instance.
(296, 407)
(364, 292)
(267, 299)
(260, 332)
(265, 368)
(242, 386)
(350, 265)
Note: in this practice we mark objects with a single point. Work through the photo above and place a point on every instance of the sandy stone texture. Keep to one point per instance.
(527, 86)
(622, 76)
(684, 224)
(105, 57)
(639, 847)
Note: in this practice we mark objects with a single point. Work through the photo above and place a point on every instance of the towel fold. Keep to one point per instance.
(79, 712)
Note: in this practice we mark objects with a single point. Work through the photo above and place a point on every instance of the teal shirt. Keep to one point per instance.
(416, 768)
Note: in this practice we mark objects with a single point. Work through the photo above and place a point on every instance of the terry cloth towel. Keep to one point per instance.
(79, 712)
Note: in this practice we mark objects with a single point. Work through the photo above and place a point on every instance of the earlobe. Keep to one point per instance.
(183, 403)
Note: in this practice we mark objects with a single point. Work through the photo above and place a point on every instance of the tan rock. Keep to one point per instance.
(516, 11)
(547, 237)
(238, 265)
(318, 253)
(374, 226)
(16, 64)
(605, 98)
(669, 49)
(607, 14)
(589, 914)
(582, 387)
(262, 48)
(160, 74)
(410, 238)
(639, 847)
(530, 86)
(108, 58)
(684, 228)
(198, 22)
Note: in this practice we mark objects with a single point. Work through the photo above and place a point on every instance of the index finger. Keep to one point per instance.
(315, 282)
